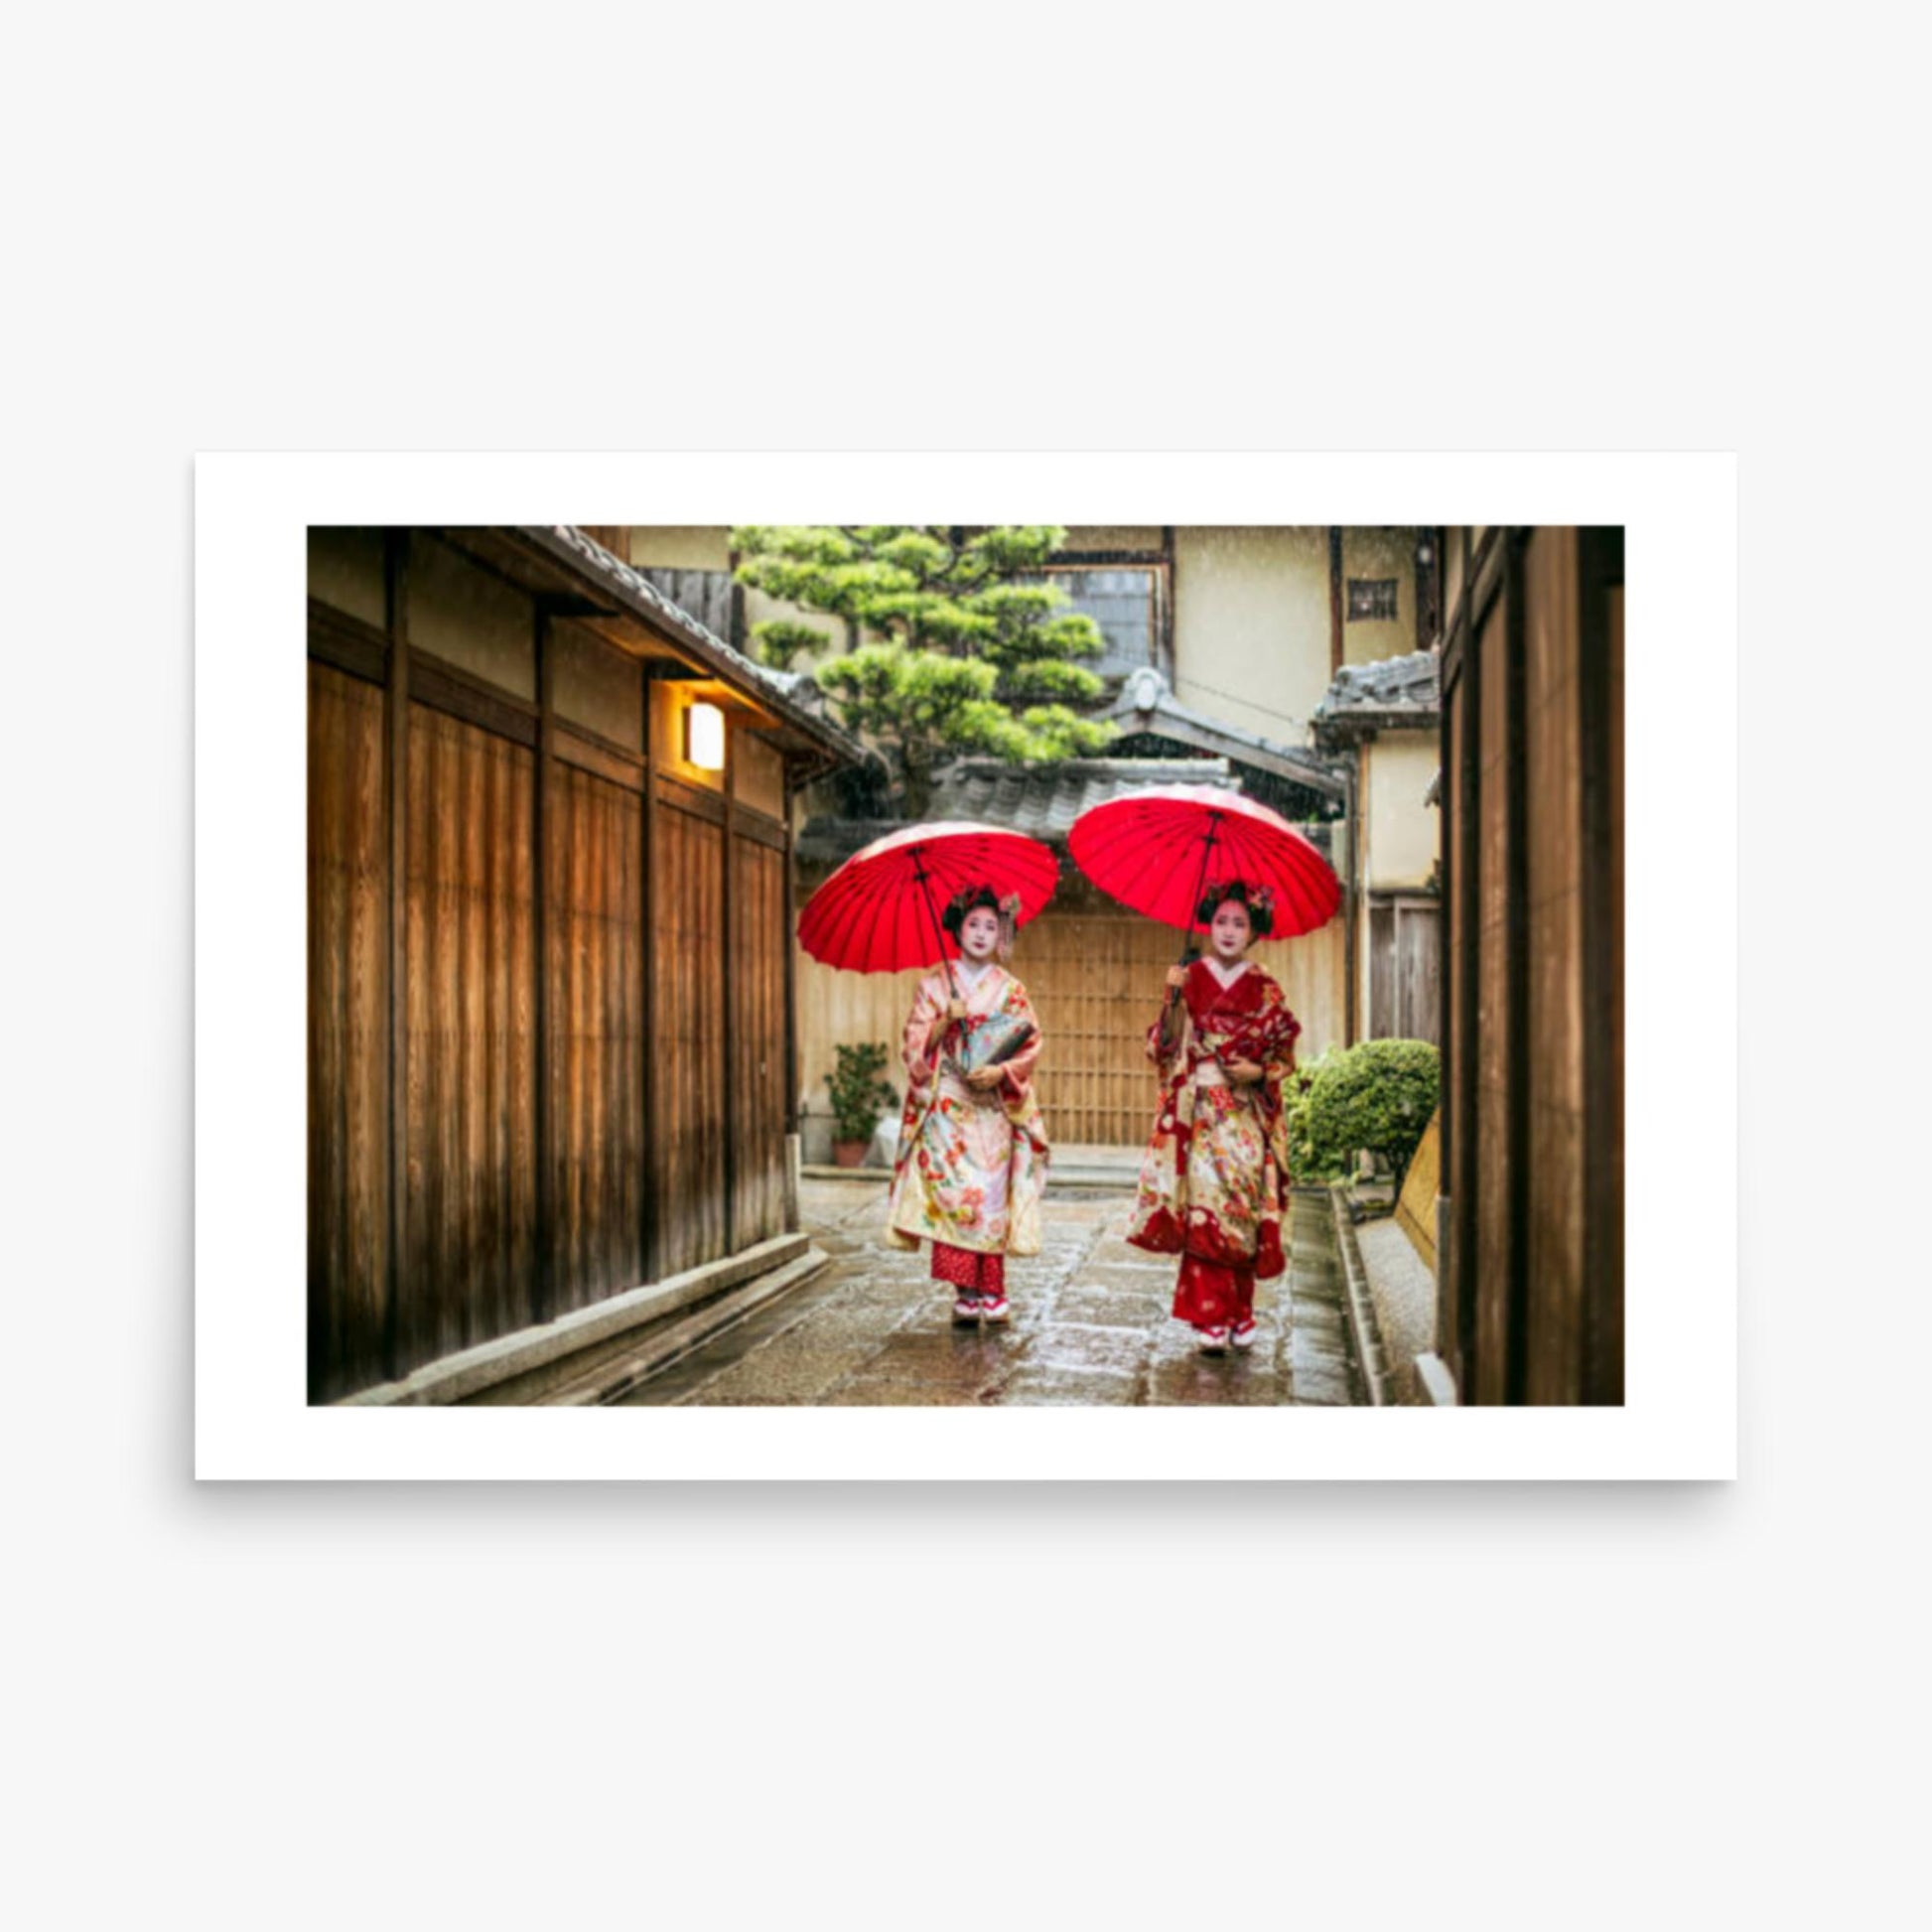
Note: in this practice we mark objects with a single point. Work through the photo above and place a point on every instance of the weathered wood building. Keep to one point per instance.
(1531, 1213)
(550, 969)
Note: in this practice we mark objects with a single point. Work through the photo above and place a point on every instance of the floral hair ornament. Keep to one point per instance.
(1257, 900)
(969, 901)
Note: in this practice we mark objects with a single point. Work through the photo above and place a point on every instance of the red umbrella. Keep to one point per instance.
(1156, 849)
(879, 911)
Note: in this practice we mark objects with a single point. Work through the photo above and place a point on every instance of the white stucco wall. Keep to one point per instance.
(1250, 624)
(1377, 553)
(667, 546)
(1402, 834)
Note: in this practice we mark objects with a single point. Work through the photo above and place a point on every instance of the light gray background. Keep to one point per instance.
(520, 1705)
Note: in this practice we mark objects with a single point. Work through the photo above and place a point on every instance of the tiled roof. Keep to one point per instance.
(791, 697)
(1147, 704)
(1390, 684)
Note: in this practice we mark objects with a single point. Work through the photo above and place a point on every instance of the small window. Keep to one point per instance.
(1371, 596)
(1125, 604)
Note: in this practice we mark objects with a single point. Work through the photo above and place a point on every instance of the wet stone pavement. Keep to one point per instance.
(1090, 1323)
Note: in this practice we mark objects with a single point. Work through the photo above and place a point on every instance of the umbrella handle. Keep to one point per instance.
(1194, 904)
(939, 940)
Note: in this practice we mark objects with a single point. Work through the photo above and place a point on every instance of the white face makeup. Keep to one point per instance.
(1231, 931)
(980, 933)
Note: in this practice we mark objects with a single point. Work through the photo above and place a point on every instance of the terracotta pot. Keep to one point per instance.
(850, 1153)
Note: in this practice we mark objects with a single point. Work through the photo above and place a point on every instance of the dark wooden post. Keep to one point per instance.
(1448, 800)
(1166, 582)
(1516, 889)
(1336, 652)
(653, 1121)
(1354, 912)
(396, 802)
(793, 1124)
(1599, 690)
(1467, 945)
(733, 990)
(544, 1288)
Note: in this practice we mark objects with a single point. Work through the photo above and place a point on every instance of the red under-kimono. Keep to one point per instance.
(1214, 1180)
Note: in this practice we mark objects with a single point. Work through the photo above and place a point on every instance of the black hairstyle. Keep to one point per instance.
(1259, 904)
(953, 918)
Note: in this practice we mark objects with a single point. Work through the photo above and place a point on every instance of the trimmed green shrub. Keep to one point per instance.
(1304, 1162)
(1377, 1095)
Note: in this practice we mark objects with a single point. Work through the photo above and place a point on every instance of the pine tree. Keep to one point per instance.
(942, 650)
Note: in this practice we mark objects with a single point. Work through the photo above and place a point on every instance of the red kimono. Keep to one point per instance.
(1214, 1180)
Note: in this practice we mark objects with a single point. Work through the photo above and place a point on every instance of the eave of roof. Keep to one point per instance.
(585, 560)
(1040, 800)
(1147, 704)
(1391, 694)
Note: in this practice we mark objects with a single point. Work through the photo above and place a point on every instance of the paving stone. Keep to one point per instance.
(1176, 1341)
(839, 1325)
(1103, 1308)
(1314, 1389)
(1091, 1325)
(966, 1358)
(1049, 1387)
(1147, 1276)
(781, 1373)
(1110, 1251)
(873, 1392)
(1066, 1345)
(1210, 1381)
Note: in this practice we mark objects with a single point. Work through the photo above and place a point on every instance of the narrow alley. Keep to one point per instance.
(1090, 1323)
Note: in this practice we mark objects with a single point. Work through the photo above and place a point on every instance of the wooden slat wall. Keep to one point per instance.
(1554, 1068)
(1495, 1152)
(1604, 1005)
(483, 1210)
(469, 1222)
(1419, 973)
(1403, 971)
(1382, 1022)
(349, 998)
(688, 1035)
(1461, 863)
(1456, 1328)
(759, 1074)
(1533, 1107)
(595, 938)
(703, 594)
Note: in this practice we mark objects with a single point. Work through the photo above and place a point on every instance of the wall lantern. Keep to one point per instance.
(703, 736)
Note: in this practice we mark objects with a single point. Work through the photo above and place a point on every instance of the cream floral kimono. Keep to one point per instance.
(972, 1166)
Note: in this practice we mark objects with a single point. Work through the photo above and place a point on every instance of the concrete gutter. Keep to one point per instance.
(556, 1351)
(615, 1376)
(1437, 1384)
(1364, 1332)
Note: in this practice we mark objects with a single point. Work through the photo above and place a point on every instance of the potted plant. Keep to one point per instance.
(858, 1100)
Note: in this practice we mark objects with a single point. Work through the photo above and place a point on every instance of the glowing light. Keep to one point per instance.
(703, 736)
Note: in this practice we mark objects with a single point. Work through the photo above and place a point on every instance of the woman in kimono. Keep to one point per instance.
(1214, 1180)
(971, 1151)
